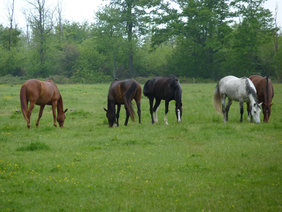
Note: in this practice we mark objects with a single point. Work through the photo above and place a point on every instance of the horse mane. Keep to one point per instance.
(250, 90)
(173, 81)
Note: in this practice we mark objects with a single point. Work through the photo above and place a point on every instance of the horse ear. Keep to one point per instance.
(105, 110)
(65, 110)
(270, 104)
(260, 104)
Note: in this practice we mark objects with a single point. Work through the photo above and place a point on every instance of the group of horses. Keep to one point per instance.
(255, 90)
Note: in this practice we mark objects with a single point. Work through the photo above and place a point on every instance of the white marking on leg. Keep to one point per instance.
(156, 116)
(165, 119)
(178, 115)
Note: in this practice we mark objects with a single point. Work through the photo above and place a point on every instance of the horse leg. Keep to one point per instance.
(227, 108)
(54, 106)
(29, 113)
(139, 111)
(223, 108)
(127, 116)
(241, 110)
(151, 100)
(117, 115)
(166, 111)
(40, 114)
(248, 109)
(155, 109)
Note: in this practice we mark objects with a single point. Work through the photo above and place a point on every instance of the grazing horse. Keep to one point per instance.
(237, 89)
(41, 93)
(265, 93)
(163, 88)
(123, 92)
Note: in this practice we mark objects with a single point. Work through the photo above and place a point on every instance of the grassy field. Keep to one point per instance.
(200, 164)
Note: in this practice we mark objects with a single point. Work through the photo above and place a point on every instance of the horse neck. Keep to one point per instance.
(60, 107)
(251, 91)
(178, 93)
(111, 106)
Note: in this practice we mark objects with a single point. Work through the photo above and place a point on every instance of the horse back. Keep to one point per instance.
(159, 87)
(235, 88)
(264, 87)
(42, 93)
(118, 90)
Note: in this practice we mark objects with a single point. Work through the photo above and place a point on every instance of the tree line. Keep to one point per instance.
(143, 38)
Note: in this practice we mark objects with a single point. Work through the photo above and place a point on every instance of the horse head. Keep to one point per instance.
(61, 118)
(255, 112)
(111, 117)
(266, 112)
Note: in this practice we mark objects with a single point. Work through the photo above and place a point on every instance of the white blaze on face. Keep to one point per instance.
(178, 115)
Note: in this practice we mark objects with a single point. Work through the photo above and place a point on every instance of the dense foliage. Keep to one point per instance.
(191, 38)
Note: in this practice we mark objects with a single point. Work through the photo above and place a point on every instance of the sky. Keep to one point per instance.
(83, 10)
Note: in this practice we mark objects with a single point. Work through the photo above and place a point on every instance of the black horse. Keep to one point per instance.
(123, 92)
(163, 88)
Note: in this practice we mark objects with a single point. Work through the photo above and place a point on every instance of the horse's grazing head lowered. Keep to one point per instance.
(175, 85)
(265, 93)
(266, 111)
(267, 102)
(255, 107)
(111, 117)
(61, 118)
(255, 112)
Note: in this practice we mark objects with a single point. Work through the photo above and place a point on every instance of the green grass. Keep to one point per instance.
(200, 164)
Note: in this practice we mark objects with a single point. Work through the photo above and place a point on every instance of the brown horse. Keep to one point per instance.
(123, 92)
(265, 94)
(41, 93)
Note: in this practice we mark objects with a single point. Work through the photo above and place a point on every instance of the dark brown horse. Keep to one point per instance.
(123, 92)
(164, 88)
(42, 93)
(265, 93)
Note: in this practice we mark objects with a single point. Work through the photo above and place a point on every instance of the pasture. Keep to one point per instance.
(200, 164)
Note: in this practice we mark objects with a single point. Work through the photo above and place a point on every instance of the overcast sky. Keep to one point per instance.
(83, 10)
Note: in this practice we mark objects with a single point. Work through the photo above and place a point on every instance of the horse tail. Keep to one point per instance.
(127, 99)
(217, 100)
(24, 101)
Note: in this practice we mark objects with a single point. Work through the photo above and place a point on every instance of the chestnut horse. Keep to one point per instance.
(265, 93)
(41, 93)
(164, 88)
(123, 92)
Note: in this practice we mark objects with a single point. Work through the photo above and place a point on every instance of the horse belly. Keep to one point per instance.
(43, 101)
